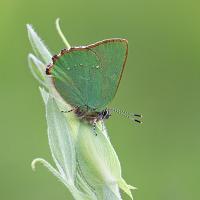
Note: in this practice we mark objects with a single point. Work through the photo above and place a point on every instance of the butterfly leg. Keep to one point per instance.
(94, 124)
(67, 111)
(102, 125)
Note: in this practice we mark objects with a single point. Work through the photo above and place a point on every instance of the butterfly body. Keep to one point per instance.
(92, 117)
(88, 77)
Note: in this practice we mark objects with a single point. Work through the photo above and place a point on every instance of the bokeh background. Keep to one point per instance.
(161, 80)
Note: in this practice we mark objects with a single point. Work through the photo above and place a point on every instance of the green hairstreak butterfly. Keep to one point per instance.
(87, 77)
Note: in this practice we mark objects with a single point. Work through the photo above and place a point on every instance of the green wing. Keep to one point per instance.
(90, 75)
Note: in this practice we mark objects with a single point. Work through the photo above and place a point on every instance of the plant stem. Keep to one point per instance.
(61, 34)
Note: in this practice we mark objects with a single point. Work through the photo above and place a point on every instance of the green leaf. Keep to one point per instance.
(45, 95)
(38, 46)
(60, 141)
(125, 187)
(38, 69)
(49, 167)
(75, 192)
(98, 160)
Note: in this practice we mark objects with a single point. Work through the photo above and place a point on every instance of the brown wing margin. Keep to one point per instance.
(82, 48)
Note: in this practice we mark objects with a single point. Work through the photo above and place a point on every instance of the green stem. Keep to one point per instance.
(61, 34)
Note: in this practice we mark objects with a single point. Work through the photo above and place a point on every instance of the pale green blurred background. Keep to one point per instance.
(161, 81)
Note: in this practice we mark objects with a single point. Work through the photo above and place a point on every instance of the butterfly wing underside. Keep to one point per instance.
(90, 75)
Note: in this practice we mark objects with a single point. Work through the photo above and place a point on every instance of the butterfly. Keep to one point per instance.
(87, 77)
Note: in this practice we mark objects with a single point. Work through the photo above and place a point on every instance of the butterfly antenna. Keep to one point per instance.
(132, 116)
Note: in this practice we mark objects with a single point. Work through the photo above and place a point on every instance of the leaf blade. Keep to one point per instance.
(38, 46)
(60, 142)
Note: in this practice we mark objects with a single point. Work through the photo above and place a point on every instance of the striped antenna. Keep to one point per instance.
(132, 116)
